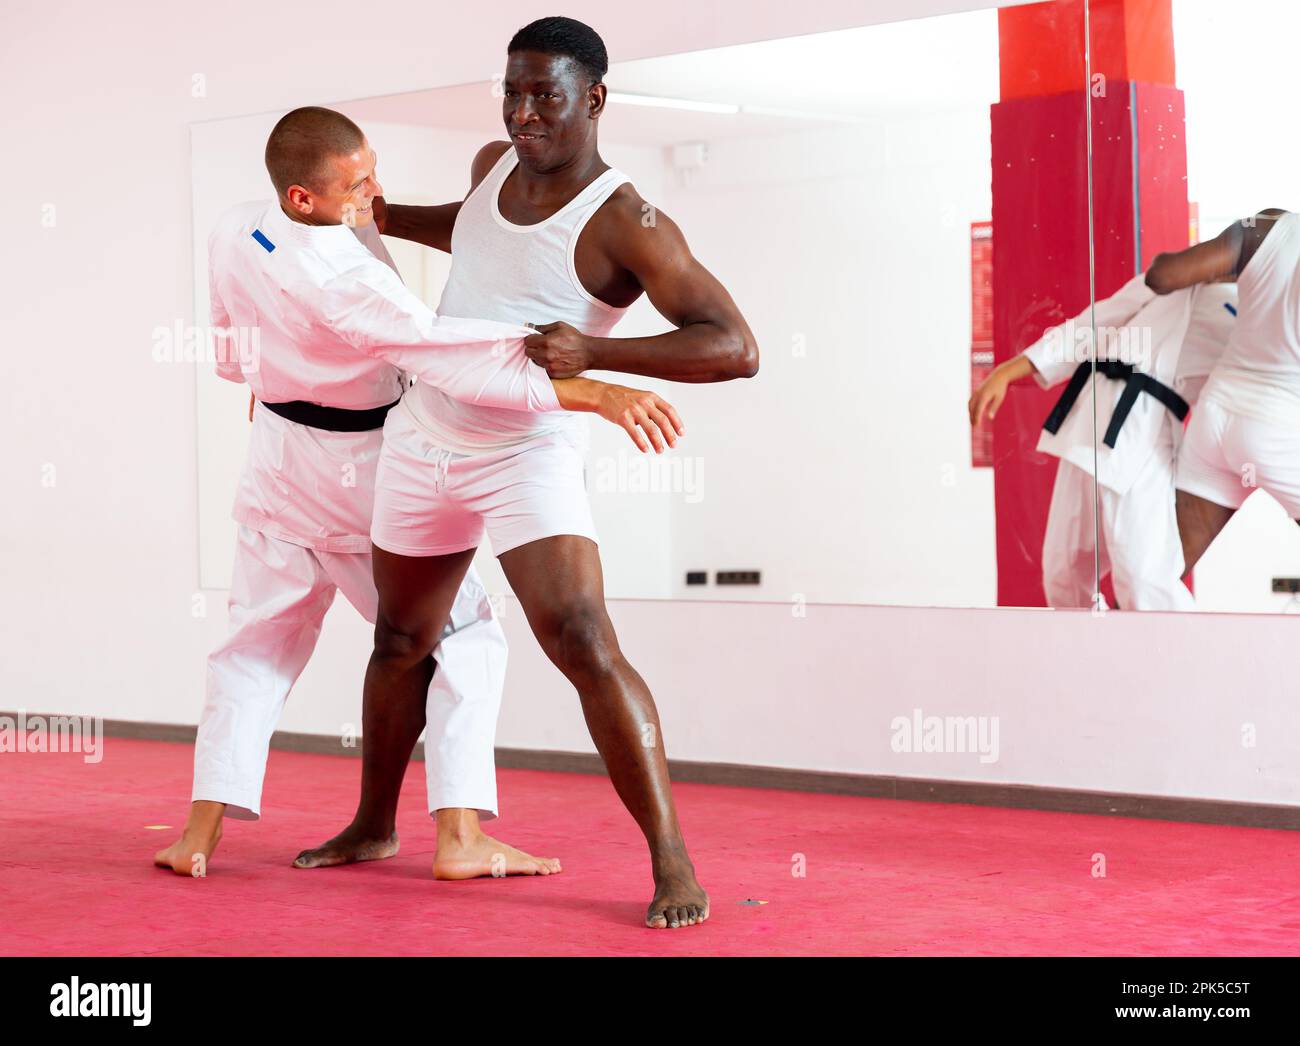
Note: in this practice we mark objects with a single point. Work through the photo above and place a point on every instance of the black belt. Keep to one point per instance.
(1134, 382)
(332, 419)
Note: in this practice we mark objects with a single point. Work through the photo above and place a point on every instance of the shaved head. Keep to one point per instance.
(302, 144)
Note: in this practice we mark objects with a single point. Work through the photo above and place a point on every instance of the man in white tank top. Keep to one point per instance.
(1245, 434)
(551, 236)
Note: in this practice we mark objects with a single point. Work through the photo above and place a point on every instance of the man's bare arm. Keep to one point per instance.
(712, 341)
(432, 226)
(1227, 254)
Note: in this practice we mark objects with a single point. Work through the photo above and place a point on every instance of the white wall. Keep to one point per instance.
(849, 480)
(1180, 705)
(101, 574)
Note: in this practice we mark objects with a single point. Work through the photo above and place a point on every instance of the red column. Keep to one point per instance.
(1040, 214)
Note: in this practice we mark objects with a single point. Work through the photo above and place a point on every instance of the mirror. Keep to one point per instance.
(871, 198)
(1204, 119)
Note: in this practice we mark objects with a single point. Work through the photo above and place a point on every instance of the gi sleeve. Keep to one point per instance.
(225, 345)
(1058, 353)
(472, 360)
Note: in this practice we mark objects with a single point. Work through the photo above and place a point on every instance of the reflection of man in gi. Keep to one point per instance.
(1154, 355)
(1246, 434)
(337, 327)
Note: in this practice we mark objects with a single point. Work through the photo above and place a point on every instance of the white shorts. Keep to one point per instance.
(1225, 457)
(430, 501)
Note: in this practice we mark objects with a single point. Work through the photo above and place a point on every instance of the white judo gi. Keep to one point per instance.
(1175, 339)
(336, 327)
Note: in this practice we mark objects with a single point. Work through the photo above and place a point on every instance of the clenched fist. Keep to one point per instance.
(563, 350)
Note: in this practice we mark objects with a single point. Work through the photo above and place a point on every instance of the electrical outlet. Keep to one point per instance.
(738, 577)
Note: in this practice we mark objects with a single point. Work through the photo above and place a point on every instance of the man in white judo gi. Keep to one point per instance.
(1154, 355)
(1246, 435)
(337, 329)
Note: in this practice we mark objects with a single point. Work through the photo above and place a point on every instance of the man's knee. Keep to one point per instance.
(404, 644)
(582, 640)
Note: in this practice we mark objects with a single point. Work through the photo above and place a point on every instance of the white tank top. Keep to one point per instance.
(515, 274)
(1209, 329)
(1259, 375)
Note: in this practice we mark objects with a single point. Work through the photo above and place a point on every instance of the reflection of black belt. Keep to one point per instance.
(332, 419)
(1134, 382)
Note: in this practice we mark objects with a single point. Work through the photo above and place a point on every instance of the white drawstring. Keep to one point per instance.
(441, 461)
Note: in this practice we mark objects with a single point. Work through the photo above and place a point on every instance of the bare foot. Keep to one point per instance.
(190, 854)
(679, 898)
(483, 856)
(348, 847)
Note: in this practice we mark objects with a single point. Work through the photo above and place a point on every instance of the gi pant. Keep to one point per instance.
(278, 599)
(1140, 545)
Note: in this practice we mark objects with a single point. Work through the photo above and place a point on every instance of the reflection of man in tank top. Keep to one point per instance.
(1245, 433)
(551, 235)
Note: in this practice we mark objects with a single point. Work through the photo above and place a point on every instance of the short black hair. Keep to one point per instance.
(303, 140)
(564, 36)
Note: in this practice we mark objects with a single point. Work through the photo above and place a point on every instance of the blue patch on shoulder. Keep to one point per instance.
(257, 235)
